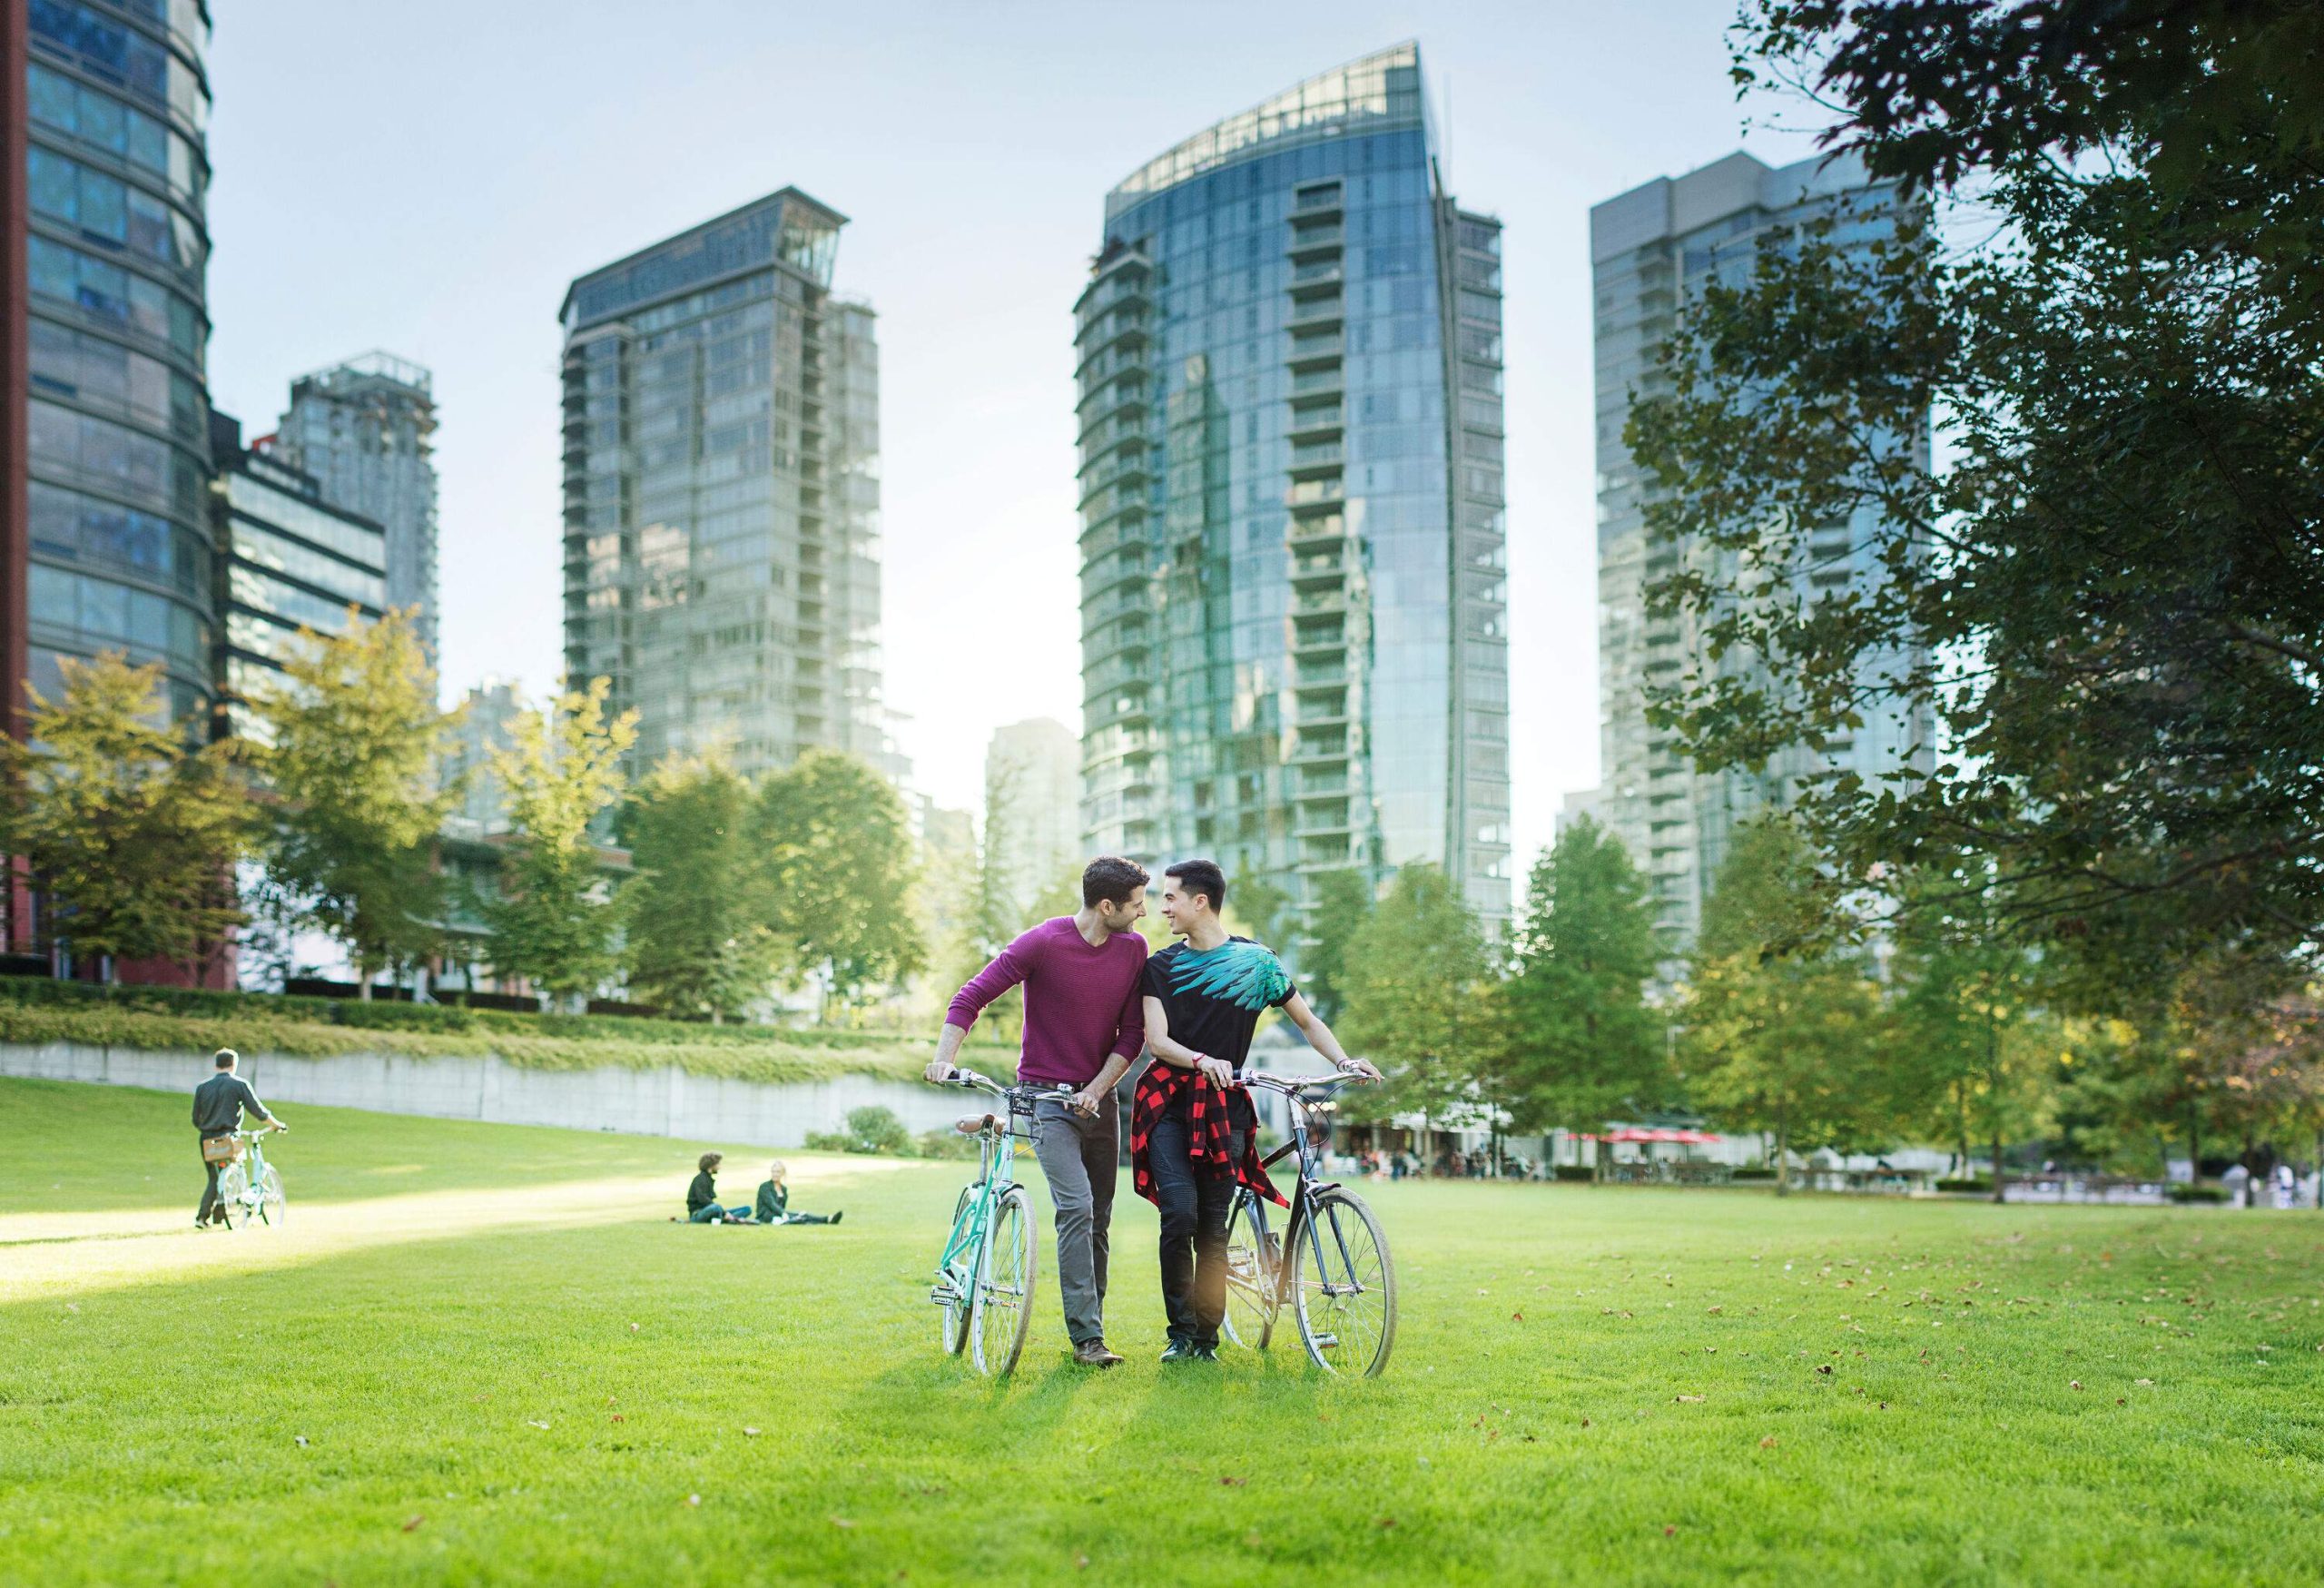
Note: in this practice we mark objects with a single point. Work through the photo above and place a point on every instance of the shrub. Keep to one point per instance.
(1574, 1172)
(2210, 1194)
(1752, 1171)
(1981, 1186)
(945, 1143)
(873, 1129)
(830, 1142)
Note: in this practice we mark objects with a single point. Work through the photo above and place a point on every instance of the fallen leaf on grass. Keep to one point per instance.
(2146, 1381)
(531, 1423)
(1716, 1310)
(299, 1439)
(1081, 1563)
(1769, 1442)
(1517, 1317)
(1384, 1521)
(694, 1499)
(841, 1522)
(632, 1329)
(2074, 1383)
(1691, 1399)
(413, 1525)
(1667, 1529)
(1233, 1483)
(1823, 1368)
(1585, 1422)
(750, 1433)
(619, 1419)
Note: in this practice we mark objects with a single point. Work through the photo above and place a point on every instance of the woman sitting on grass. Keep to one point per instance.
(774, 1201)
(702, 1196)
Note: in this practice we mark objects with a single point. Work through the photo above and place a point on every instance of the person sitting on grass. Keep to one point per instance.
(774, 1201)
(702, 1196)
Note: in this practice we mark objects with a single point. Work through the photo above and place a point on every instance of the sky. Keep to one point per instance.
(427, 178)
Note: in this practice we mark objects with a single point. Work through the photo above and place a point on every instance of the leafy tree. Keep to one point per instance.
(1582, 1045)
(1969, 1056)
(552, 919)
(694, 939)
(2114, 593)
(131, 834)
(1257, 908)
(1780, 1025)
(834, 836)
(1342, 904)
(1415, 986)
(357, 742)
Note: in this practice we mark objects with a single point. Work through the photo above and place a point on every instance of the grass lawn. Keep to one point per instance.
(481, 1355)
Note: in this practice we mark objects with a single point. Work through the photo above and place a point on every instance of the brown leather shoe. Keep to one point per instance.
(1093, 1354)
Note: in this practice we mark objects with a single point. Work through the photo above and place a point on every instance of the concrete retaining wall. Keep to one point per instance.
(666, 1102)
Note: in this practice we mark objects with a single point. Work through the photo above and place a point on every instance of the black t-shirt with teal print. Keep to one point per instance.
(1214, 997)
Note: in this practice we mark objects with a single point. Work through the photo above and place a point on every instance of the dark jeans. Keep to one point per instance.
(712, 1213)
(209, 1193)
(1194, 1199)
(1080, 1157)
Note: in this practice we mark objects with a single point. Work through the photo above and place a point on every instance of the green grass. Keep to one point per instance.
(1536, 1425)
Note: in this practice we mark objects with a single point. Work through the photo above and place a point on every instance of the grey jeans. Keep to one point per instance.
(1079, 1154)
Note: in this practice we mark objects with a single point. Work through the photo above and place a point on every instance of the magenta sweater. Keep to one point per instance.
(1080, 1003)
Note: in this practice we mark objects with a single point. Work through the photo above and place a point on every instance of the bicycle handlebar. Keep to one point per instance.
(1292, 1085)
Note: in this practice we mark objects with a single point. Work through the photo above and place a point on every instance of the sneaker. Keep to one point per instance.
(1093, 1354)
(1207, 1353)
(1183, 1351)
(837, 1216)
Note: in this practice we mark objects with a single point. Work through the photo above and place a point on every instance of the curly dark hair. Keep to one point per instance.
(710, 1162)
(1110, 880)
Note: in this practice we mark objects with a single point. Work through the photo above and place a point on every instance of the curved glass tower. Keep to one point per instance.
(117, 544)
(1290, 422)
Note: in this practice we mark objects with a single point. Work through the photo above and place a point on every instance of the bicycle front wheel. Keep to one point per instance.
(1004, 1309)
(1253, 1262)
(233, 1195)
(1343, 1287)
(272, 1206)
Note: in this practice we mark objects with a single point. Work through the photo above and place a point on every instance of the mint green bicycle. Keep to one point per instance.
(249, 1187)
(986, 1274)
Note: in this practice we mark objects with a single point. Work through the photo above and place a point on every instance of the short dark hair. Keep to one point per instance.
(1204, 877)
(1110, 880)
(710, 1162)
(224, 1057)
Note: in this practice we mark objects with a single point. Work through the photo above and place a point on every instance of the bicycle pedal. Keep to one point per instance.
(943, 1294)
(1325, 1342)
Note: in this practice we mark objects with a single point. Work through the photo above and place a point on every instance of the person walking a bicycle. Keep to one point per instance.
(1083, 1028)
(1193, 1133)
(218, 1105)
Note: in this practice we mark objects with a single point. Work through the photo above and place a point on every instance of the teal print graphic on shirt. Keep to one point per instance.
(1244, 974)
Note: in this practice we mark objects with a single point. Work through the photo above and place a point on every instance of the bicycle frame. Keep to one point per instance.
(1297, 1224)
(957, 1266)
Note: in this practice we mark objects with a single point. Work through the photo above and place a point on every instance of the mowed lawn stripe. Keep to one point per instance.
(1531, 1428)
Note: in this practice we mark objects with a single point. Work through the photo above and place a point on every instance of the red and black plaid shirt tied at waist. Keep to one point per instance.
(1212, 1130)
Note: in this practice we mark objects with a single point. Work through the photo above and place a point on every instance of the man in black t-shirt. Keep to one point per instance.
(218, 1105)
(1193, 1129)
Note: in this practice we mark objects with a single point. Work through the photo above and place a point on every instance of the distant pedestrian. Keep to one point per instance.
(702, 1196)
(774, 1201)
(218, 1105)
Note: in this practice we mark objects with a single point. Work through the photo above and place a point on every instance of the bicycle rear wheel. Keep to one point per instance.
(234, 1187)
(1004, 1309)
(960, 1279)
(272, 1206)
(1345, 1293)
(1253, 1261)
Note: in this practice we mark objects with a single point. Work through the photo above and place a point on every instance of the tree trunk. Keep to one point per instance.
(1992, 1083)
(2194, 1143)
(1782, 1148)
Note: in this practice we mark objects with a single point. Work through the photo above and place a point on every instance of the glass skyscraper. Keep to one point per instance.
(289, 559)
(105, 528)
(1650, 249)
(722, 491)
(1290, 419)
(362, 430)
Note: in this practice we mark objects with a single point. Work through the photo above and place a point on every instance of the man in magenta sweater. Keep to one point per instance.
(1084, 1027)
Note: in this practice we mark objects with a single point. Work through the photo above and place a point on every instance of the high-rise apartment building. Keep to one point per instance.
(1650, 249)
(105, 447)
(363, 431)
(288, 560)
(1032, 804)
(1292, 594)
(722, 491)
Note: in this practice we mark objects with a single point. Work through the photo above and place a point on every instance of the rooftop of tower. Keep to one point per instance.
(1375, 93)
